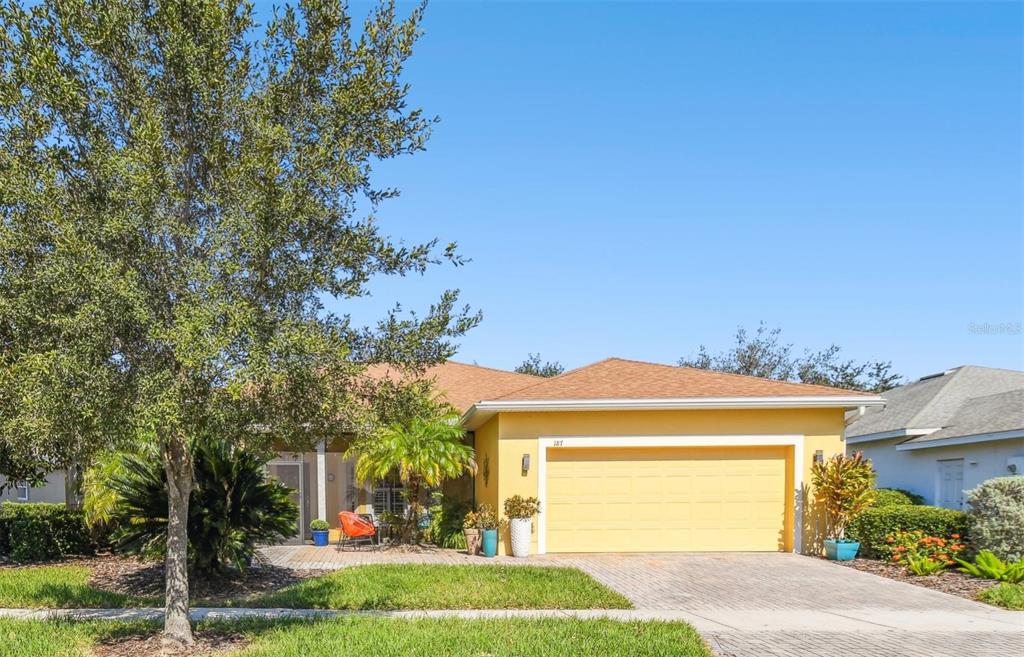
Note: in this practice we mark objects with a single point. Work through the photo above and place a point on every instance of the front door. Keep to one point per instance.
(951, 483)
(290, 475)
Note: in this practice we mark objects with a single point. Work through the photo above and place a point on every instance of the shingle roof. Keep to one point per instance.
(462, 384)
(980, 415)
(954, 398)
(618, 378)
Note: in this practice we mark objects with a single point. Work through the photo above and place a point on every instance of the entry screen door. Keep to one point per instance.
(290, 474)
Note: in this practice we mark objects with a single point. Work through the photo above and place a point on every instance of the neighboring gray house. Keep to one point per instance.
(945, 433)
(52, 490)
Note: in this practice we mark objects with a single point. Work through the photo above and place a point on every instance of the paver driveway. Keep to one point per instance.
(754, 605)
(764, 605)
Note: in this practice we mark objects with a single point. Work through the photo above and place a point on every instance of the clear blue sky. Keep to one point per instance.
(638, 179)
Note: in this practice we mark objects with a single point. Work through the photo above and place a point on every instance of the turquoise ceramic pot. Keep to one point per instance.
(841, 550)
(490, 540)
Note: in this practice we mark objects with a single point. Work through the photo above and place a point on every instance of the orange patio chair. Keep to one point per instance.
(356, 530)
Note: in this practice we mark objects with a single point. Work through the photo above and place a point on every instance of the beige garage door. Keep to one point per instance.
(666, 499)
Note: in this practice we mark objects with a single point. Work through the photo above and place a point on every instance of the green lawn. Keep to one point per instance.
(57, 586)
(60, 638)
(1010, 596)
(403, 586)
(414, 586)
(384, 637)
(377, 637)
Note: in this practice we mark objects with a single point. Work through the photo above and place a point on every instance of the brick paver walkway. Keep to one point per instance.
(762, 605)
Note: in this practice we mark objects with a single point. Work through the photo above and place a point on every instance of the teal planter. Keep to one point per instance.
(320, 537)
(841, 550)
(490, 540)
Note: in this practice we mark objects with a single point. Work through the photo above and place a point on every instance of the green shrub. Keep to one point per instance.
(446, 516)
(996, 510)
(921, 565)
(231, 510)
(40, 532)
(871, 526)
(989, 566)
(319, 525)
(1006, 595)
(896, 497)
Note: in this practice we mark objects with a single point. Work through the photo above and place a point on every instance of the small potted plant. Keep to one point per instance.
(844, 486)
(520, 512)
(487, 520)
(321, 531)
(471, 530)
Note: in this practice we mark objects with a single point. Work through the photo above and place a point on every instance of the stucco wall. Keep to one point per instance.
(822, 429)
(51, 491)
(487, 462)
(918, 470)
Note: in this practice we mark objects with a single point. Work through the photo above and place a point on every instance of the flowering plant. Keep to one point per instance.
(905, 548)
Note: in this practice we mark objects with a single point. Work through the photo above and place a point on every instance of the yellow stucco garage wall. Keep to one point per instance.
(517, 434)
(487, 458)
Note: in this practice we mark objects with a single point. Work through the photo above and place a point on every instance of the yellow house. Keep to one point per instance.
(626, 456)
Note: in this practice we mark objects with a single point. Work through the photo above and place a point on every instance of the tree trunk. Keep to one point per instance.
(73, 486)
(178, 466)
(413, 524)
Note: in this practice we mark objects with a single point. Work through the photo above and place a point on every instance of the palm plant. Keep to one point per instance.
(100, 500)
(232, 509)
(424, 452)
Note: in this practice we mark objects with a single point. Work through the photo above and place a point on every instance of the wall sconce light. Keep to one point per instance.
(819, 456)
(526, 463)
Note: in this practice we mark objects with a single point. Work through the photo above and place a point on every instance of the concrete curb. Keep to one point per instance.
(704, 620)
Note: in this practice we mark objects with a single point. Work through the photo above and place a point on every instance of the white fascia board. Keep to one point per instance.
(483, 410)
(962, 440)
(885, 435)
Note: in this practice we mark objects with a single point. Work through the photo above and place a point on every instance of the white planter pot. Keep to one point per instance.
(521, 536)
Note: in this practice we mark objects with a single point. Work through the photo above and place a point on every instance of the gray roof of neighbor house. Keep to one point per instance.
(963, 401)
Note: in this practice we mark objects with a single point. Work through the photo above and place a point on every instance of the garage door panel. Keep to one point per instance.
(639, 499)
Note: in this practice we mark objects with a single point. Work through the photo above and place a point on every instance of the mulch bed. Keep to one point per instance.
(146, 579)
(151, 645)
(411, 548)
(949, 581)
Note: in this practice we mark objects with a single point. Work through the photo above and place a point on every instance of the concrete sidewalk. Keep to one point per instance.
(707, 620)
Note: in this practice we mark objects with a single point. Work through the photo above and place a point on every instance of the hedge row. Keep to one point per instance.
(896, 497)
(873, 525)
(40, 532)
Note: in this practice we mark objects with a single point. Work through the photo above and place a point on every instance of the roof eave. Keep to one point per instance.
(484, 410)
(886, 435)
(962, 440)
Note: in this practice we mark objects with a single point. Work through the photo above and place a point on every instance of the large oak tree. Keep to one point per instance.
(765, 355)
(180, 189)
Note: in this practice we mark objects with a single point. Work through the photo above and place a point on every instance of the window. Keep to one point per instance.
(389, 497)
(22, 489)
